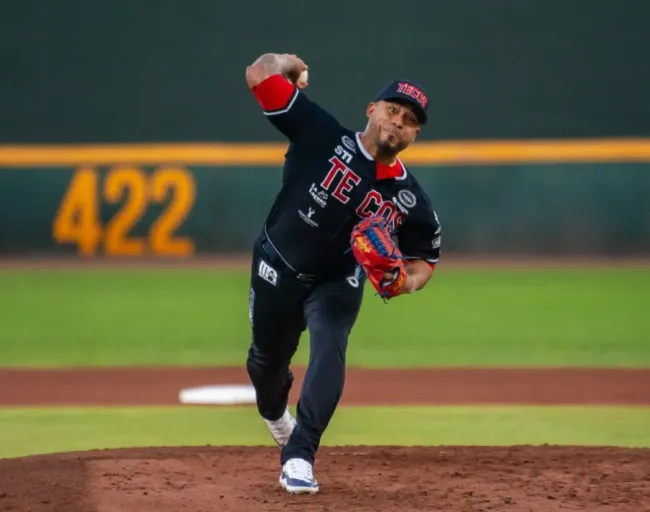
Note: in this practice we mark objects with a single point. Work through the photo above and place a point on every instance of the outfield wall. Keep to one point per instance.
(537, 141)
(179, 200)
(125, 71)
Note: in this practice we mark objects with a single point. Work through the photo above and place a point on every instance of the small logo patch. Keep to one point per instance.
(307, 217)
(401, 207)
(268, 273)
(362, 244)
(354, 282)
(349, 143)
(407, 198)
(320, 196)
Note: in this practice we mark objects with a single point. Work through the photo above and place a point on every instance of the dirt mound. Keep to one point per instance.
(544, 478)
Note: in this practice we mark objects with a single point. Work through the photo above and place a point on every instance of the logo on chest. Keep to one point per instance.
(346, 180)
(341, 181)
(375, 205)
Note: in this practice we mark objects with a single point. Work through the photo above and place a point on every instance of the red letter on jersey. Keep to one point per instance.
(364, 208)
(388, 210)
(337, 166)
(347, 183)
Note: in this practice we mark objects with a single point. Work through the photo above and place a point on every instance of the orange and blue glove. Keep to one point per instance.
(377, 254)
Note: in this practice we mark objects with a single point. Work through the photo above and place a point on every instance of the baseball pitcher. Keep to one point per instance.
(345, 198)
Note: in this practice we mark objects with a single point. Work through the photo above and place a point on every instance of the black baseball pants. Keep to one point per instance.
(282, 306)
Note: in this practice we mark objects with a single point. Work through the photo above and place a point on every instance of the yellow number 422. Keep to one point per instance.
(78, 220)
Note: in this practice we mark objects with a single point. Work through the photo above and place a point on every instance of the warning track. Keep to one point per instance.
(161, 386)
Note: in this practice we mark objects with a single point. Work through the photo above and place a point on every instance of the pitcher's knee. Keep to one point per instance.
(267, 358)
(258, 363)
(262, 365)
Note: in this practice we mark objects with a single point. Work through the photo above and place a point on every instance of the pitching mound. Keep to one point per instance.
(351, 478)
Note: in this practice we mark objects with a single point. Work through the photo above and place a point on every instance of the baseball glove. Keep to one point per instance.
(378, 255)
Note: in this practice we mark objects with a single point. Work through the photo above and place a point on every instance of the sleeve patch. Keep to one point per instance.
(275, 94)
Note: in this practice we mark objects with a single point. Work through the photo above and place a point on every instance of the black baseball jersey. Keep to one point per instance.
(330, 182)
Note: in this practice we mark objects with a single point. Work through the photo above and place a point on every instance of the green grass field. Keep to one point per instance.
(566, 317)
(199, 317)
(50, 430)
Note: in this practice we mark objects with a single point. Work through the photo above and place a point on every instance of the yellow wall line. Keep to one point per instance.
(232, 154)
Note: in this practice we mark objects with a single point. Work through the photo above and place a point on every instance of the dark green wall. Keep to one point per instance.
(528, 209)
(122, 71)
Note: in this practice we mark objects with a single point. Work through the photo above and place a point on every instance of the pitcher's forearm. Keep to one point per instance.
(418, 274)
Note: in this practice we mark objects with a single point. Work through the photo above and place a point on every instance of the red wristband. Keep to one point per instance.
(274, 93)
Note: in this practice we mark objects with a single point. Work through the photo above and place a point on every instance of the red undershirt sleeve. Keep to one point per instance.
(275, 94)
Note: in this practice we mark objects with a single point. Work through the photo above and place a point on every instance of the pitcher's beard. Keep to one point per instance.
(388, 150)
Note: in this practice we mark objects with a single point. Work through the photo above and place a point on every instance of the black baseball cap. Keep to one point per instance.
(409, 92)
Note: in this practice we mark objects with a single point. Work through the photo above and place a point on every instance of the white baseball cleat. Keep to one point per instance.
(282, 428)
(297, 477)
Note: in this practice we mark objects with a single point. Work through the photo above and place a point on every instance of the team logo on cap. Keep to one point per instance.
(412, 91)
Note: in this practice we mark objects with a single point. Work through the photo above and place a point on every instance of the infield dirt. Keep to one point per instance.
(522, 478)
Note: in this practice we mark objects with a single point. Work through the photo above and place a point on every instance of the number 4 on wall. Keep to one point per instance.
(78, 220)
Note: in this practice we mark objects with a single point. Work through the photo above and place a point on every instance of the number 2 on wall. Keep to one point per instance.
(77, 220)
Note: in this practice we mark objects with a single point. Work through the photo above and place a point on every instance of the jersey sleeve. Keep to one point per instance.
(289, 109)
(419, 237)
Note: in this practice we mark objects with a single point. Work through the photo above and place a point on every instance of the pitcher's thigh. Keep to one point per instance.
(331, 312)
(277, 320)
